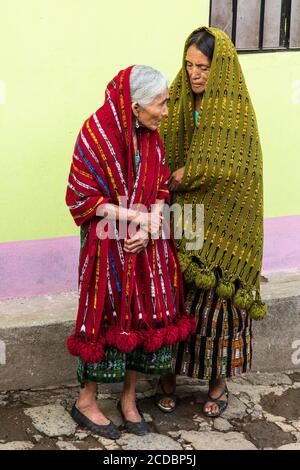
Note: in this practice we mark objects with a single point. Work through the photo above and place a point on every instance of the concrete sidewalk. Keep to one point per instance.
(33, 333)
(263, 413)
(264, 406)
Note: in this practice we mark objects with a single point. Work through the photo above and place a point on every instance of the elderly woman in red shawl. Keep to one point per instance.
(131, 307)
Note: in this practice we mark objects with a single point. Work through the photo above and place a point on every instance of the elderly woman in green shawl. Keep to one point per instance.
(214, 153)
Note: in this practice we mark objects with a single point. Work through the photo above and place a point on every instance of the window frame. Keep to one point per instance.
(260, 48)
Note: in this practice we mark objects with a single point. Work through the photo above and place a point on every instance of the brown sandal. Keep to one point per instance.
(158, 397)
(222, 404)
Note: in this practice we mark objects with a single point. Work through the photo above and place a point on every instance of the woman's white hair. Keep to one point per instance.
(146, 84)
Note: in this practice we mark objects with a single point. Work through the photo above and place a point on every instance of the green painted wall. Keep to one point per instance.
(273, 80)
(56, 58)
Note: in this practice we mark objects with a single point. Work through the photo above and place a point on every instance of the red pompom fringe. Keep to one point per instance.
(185, 328)
(74, 343)
(153, 340)
(90, 352)
(171, 334)
(122, 340)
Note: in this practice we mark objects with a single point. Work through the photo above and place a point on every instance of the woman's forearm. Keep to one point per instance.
(112, 211)
(149, 222)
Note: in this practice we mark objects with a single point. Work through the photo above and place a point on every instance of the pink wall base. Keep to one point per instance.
(38, 267)
(282, 244)
(50, 266)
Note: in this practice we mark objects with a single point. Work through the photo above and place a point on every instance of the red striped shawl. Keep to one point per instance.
(125, 300)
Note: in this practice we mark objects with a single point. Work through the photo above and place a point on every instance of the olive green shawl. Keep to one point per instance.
(223, 171)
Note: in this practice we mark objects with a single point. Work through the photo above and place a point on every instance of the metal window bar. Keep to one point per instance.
(284, 33)
(261, 24)
(234, 20)
(285, 24)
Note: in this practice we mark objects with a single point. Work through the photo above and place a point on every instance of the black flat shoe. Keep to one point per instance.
(110, 431)
(140, 428)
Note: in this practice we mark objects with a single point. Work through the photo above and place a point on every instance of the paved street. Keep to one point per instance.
(264, 413)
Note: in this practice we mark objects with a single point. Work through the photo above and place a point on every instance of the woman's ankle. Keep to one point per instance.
(168, 383)
(217, 382)
(86, 399)
(84, 403)
(128, 396)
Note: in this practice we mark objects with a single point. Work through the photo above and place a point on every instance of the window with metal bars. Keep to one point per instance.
(258, 25)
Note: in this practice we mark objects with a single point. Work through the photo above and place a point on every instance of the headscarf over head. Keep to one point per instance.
(222, 156)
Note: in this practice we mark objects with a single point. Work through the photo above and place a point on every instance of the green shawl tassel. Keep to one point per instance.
(225, 289)
(258, 310)
(243, 299)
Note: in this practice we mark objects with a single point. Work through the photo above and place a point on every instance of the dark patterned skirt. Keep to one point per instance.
(222, 345)
(112, 368)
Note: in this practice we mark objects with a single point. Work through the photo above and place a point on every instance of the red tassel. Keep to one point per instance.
(92, 353)
(127, 342)
(171, 334)
(74, 343)
(184, 327)
(111, 335)
(153, 340)
(122, 340)
(140, 335)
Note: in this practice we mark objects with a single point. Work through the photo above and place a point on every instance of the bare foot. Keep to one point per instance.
(91, 411)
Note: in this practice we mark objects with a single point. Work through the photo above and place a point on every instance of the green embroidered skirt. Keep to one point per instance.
(113, 366)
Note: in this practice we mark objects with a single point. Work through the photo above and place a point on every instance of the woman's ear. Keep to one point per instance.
(135, 108)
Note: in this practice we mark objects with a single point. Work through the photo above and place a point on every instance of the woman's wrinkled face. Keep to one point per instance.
(151, 115)
(197, 67)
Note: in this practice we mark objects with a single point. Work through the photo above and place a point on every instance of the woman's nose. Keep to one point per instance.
(195, 73)
(165, 110)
